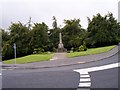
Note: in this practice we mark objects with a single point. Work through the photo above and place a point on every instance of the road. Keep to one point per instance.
(82, 75)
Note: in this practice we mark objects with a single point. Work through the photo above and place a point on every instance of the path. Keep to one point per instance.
(57, 56)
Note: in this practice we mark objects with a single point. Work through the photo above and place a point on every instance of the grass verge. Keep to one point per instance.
(90, 51)
(30, 58)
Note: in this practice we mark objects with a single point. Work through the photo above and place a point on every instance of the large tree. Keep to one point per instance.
(54, 34)
(72, 34)
(19, 35)
(39, 36)
(103, 30)
(7, 50)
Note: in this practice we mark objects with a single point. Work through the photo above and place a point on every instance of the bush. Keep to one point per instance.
(68, 51)
(72, 49)
(82, 47)
(38, 51)
(54, 49)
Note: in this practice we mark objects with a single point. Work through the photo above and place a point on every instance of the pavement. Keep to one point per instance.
(63, 61)
(57, 56)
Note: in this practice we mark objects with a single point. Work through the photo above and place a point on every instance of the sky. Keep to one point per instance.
(44, 10)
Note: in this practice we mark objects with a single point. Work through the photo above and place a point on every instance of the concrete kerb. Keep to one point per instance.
(40, 67)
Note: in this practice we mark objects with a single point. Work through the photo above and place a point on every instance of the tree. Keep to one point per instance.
(54, 34)
(103, 31)
(54, 24)
(26, 40)
(19, 35)
(72, 34)
(39, 36)
(7, 50)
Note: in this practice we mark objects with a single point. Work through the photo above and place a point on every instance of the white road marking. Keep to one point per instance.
(84, 73)
(84, 76)
(84, 79)
(84, 84)
(0, 74)
(98, 68)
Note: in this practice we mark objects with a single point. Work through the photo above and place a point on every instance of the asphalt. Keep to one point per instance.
(57, 78)
(64, 62)
(105, 78)
(49, 79)
(62, 77)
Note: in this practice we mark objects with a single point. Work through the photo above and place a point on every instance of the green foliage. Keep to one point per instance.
(72, 34)
(38, 51)
(19, 35)
(103, 31)
(26, 40)
(39, 36)
(54, 24)
(54, 34)
(54, 37)
(7, 51)
(82, 47)
(54, 49)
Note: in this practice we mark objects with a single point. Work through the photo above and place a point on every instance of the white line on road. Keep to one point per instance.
(83, 72)
(88, 84)
(0, 74)
(85, 77)
(98, 68)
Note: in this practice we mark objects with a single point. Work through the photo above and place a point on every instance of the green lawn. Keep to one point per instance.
(30, 58)
(90, 51)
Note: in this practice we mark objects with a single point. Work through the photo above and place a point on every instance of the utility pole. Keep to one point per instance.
(14, 46)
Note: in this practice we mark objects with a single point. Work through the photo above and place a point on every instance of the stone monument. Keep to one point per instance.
(60, 45)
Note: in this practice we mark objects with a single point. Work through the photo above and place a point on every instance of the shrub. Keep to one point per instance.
(38, 51)
(82, 47)
(54, 49)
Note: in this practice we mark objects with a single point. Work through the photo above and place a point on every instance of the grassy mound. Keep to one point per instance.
(90, 51)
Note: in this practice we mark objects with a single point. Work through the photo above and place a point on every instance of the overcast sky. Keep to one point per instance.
(44, 10)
